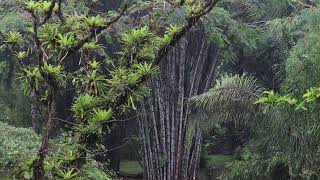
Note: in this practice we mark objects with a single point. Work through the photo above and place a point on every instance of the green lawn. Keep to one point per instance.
(214, 165)
(217, 161)
(212, 162)
(130, 167)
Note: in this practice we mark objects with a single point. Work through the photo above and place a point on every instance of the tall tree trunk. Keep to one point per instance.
(38, 163)
(10, 75)
(33, 109)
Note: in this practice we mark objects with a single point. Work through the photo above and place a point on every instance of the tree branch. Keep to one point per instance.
(49, 13)
(306, 5)
(59, 13)
(93, 31)
(171, 3)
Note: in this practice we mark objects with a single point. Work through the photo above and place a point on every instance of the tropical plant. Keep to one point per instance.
(13, 37)
(231, 99)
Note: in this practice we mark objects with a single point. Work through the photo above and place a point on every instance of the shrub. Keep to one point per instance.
(18, 148)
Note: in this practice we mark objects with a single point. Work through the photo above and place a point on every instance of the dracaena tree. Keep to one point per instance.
(104, 91)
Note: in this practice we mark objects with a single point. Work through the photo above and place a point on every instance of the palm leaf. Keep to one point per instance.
(231, 99)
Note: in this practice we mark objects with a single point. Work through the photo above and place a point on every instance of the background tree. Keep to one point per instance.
(56, 35)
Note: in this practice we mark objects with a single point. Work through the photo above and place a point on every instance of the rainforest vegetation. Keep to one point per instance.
(160, 89)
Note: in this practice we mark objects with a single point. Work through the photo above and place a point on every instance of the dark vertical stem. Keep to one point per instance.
(213, 69)
(144, 145)
(173, 112)
(148, 142)
(181, 95)
(33, 109)
(12, 64)
(167, 114)
(155, 134)
(162, 121)
(38, 163)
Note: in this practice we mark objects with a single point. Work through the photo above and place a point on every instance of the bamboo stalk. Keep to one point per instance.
(213, 68)
(144, 145)
(167, 112)
(149, 145)
(162, 121)
(181, 105)
(173, 112)
(155, 136)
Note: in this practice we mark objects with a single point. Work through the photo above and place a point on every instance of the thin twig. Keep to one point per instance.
(306, 5)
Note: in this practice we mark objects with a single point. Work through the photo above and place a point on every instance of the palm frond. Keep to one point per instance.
(231, 99)
(229, 89)
(256, 11)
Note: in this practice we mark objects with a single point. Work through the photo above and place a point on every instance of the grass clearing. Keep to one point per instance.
(130, 167)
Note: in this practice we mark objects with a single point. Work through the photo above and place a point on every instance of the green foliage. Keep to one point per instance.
(215, 164)
(167, 37)
(45, 6)
(282, 36)
(96, 80)
(101, 115)
(67, 174)
(82, 104)
(96, 21)
(3, 67)
(31, 5)
(65, 149)
(234, 37)
(91, 46)
(18, 148)
(84, 110)
(273, 99)
(12, 19)
(66, 41)
(312, 95)
(54, 72)
(289, 133)
(30, 78)
(96, 170)
(21, 55)
(13, 37)
(131, 167)
(193, 8)
(135, 37)
(231, 99)
(229, 88)
(49, 35)
(122, 80)
(303, 64)
(253, 166)
(145, 69)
